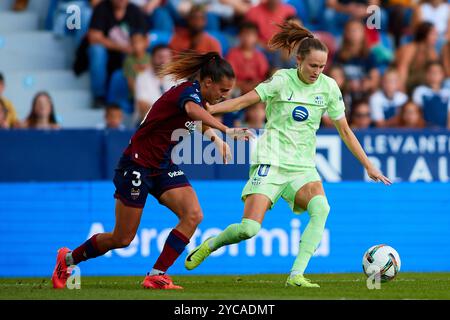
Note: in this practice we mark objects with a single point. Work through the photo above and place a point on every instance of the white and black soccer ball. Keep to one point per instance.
(381, 259)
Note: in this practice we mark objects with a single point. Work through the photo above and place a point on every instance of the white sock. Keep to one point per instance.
(156, 272)
(69, 259)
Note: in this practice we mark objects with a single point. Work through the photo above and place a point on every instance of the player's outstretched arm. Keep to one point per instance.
(197, 113)
(354, 146)
(235, 104)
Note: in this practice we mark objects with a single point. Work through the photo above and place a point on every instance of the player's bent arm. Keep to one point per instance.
(235, 104)
(356, 149)
(197, 113)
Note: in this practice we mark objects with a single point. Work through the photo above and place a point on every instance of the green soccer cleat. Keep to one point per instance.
(300, 281)
(197, 255)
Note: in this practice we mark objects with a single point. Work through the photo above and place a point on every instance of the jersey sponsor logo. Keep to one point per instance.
(190, 125)
(300, 113)
(175, 173)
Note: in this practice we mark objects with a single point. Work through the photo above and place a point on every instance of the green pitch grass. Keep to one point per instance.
(270, 287)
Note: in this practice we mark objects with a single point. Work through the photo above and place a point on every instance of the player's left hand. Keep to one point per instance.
(377, 176)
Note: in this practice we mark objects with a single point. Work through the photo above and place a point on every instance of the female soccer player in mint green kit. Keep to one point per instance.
(283, 161)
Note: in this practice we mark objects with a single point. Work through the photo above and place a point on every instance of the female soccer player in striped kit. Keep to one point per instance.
(283, 162)
(146, 167)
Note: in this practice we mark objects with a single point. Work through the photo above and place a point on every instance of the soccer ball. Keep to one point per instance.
(381, 259)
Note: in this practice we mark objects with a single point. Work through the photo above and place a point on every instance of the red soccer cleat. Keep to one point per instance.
(162, 281)
(62, 271)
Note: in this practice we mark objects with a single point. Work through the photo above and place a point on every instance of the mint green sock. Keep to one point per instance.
(318, 210)
(235, 233)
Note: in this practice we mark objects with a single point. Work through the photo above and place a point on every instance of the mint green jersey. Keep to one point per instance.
(294, 110)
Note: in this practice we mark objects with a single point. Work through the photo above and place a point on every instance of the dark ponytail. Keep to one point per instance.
(291, 35)
(189, 64)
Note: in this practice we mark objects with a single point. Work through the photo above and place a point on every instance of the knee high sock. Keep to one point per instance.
(318, 210)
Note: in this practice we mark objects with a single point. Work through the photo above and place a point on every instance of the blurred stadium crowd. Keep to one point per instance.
(394, 75)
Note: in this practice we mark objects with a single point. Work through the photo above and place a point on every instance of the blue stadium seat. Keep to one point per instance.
(223, 39)
(158, 37)
(6, 5)
(302, 10)
(18, 21)
(118, 92)
(387, 41)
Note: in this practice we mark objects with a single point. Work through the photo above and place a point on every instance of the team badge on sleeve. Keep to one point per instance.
(196, 97)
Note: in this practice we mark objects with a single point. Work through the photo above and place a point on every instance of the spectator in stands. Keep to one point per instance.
(138, 61)
(436, 12)
(194, 37)
(357, 60)
(412, 58)
(283, 59)
(11, 115)
(42, 114)
(57, 18)
(400, 18)
(250, 64)
(219, 12)
(336, 72)
(360, 115)
(109, 38)
(158, 14)
(113, 118)
(149, 84)
(266, 15)
(385, 103)
(339, 12)
(410, 116)
(3, 116)
(433, 98)
(20, 5)
(445, 58)
(255, 116)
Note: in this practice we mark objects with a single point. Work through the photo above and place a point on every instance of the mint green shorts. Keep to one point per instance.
(275, 182)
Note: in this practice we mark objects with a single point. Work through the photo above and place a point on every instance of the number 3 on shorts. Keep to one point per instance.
(137, 182)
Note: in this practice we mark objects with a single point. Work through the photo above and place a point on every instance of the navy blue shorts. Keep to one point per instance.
(133, 182)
